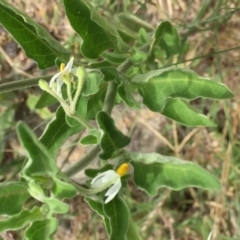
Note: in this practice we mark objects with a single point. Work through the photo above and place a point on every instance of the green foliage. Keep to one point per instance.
(115, 215)
(89, 24)
(57, 132)
(112, 139)
(124, 64)
(21, 219)
(152, 171)
(12, 196)
(166, 37)
(158, 85)
(118, 215)
(39, 230)
(37, 43)
(40, 161)
(181, 112)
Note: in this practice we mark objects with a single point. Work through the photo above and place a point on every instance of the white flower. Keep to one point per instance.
(64, 71)
(110, 178)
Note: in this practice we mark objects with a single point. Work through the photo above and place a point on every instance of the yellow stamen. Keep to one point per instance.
(122, 169)
(62, 66)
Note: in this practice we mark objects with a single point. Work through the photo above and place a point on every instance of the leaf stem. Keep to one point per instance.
(80, 120)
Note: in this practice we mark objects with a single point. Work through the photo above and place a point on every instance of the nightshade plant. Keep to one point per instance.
(117, 64)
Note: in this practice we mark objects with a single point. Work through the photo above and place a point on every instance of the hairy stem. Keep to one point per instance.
(21, 84)
(109, 100)
(83, 162)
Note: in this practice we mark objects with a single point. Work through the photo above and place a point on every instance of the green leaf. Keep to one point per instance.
(182, 112)
(88, 140)
(63, 189)
(158, 85)
(92, 83)
(21, 219)
(56, 206)
(138, 57)
(45, 100)
(40, 161)
(95, 102)
(37, 43)
(92, 138)
(57, 132)
(112, 139)
(98, 208)
(12, 196)
(118, 214)
(91, 172)
(152, 171)
(115, 58)
(40, 230)
(125, 92)
(97, 33)
(166, 37)
(111, 74)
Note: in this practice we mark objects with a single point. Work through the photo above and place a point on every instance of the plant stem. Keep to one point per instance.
(132, 233)
(109, 100)
(87, 159)
(21, 84)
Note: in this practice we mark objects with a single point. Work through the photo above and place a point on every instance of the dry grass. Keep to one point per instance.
(190, 214)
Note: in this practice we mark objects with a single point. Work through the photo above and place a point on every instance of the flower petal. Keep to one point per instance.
(56, 76)
(102, 178)
(69, 65)
(113, 190)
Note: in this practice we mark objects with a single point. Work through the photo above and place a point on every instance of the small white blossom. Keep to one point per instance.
(110, 178)
(58, 77)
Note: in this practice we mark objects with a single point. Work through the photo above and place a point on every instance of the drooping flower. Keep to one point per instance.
(59, 77)
(110, 179)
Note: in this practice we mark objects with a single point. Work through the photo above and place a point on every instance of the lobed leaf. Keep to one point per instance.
(166, 37)
(57, 132)
(21, 219)
(40, 161)
(158, 85)
(37, 43)
(152, 171)
(118, 214)
(40, 230)
(92, 83)
(182, 112)
(125, 92)
(98, 208)
(97, 34)
(12, 196)
(112, 139)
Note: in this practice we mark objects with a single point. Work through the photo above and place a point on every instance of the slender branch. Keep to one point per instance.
(109, 100)
(83, 162)
(21, 84)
